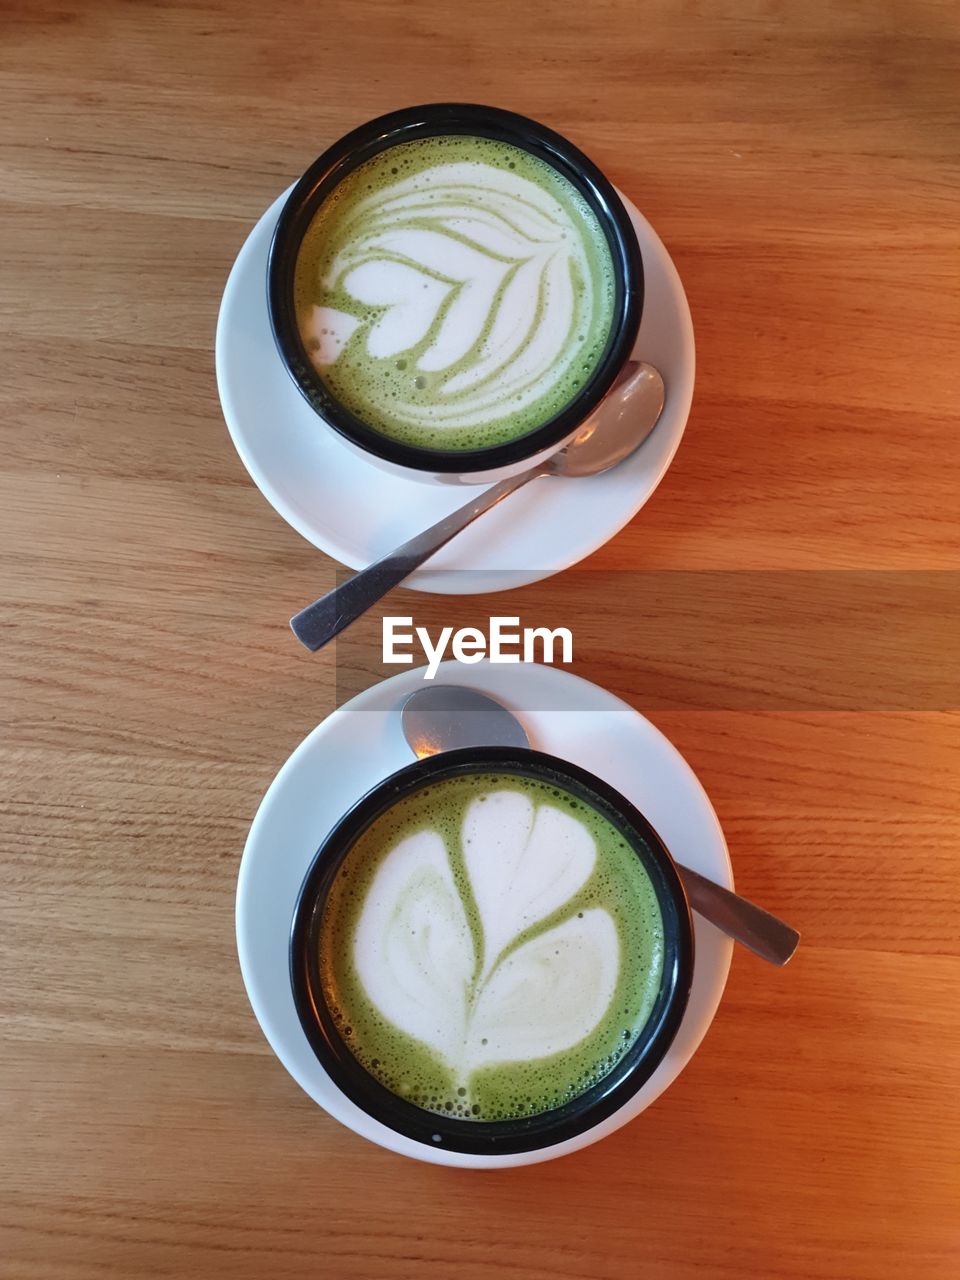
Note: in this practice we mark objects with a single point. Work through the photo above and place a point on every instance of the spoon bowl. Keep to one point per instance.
(613, 432)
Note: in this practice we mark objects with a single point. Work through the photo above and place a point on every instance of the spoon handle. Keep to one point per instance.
(320, 622)
(769, 938)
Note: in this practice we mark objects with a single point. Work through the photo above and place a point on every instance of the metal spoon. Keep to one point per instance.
(618, 427)
(444, 717)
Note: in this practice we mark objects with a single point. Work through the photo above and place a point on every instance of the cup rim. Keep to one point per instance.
(505, 1137)
(433, 119)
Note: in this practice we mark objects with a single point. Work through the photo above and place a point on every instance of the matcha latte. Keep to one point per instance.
(490, 946)
(454, 292)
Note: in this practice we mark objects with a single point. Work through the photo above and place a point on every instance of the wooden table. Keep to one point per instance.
(800, 161)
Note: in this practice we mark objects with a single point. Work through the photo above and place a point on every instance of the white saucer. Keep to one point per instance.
(357, 512)
(360, 744)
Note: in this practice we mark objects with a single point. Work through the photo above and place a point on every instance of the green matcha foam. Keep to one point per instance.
(491, 947)
(455, 292)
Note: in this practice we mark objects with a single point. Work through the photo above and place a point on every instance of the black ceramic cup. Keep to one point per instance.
(317, 184)
(611, 1094)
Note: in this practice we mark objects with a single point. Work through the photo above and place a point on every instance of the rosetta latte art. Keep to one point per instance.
(526, 992)
(455, 292)
(491, 950)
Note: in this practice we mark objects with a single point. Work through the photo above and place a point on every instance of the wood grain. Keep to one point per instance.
(801, 163)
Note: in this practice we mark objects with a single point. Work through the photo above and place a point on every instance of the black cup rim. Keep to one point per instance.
(426, 121)
(532, 1133)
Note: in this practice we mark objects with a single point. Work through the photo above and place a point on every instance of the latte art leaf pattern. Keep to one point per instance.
(531, 988)
(455, 301)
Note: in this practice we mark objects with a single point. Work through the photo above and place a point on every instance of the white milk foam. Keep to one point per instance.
(523, 993)
(462, 295)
